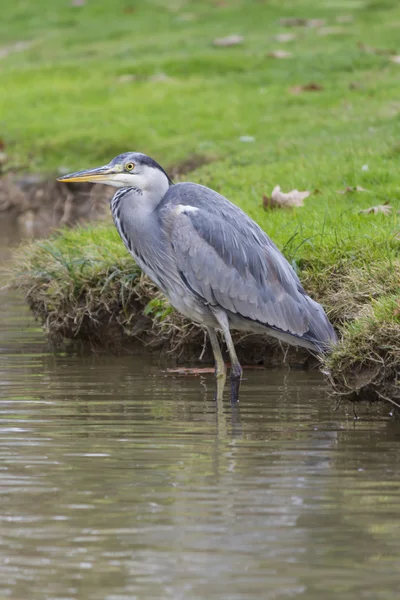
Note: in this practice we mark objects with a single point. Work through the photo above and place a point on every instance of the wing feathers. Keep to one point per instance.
(238, 273)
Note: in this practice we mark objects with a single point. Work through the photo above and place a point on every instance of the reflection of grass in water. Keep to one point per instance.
(65, 102)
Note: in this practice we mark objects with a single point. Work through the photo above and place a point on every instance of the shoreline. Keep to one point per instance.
(83, 286)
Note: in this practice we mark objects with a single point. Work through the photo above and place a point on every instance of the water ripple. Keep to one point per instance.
(118, 480)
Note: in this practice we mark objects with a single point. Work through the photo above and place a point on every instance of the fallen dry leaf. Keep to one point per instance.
(308, 87)
(344, 19)
(330, 30)
(279, 54)
(385, 209)
(160, 77)
(285, 37)
(296, 22)
(282, 199)
(185, 17)
(230, 40)
(128, 9)
(16, 47)
(350, 189)
(372, 50)
(128, 78)
(315, 23)
(292, 22)
(395, 59)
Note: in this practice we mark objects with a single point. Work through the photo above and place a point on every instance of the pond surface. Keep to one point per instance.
(120, 481)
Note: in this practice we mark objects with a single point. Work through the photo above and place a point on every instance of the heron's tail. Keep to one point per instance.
(321, 333)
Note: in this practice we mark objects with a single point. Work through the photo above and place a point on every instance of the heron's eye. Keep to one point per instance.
(129, 167)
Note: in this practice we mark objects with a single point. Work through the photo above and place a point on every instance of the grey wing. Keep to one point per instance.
(240, 273)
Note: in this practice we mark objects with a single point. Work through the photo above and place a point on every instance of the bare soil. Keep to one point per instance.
(37, 205)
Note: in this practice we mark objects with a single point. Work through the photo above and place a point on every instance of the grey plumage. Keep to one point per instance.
(213, 262)
(227, 260)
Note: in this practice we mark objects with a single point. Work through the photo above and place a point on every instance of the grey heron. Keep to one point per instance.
(211, 260)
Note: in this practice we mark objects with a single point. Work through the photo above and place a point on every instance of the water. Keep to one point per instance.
(120, 481)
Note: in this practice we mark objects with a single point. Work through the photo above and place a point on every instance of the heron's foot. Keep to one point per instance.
(220, 377)
(236, 377)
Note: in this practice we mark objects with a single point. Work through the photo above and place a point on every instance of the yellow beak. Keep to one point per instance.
(93, 175)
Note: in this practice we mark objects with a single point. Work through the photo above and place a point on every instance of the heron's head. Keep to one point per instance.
(130, 169)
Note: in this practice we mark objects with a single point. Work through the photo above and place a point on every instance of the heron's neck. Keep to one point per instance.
(151, 190)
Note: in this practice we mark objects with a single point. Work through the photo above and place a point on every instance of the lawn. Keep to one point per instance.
(95, 80)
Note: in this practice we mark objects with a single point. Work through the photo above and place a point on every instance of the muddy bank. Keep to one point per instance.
(363, 368)
(83, 286)
(140, 319)
(366, 364)
(37, 204)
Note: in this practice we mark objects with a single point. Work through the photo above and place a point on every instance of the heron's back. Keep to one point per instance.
(228, 261)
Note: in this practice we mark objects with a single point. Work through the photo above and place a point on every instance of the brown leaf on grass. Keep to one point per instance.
(2, 144)
(308, 87)
(160, 78)
(314, 23)
(128, 9)
(372, 50)
(296, 22)
(230, 40)
(395, 59)
(330, 30)
(16, 47)
(285, 37)
(127, 78)
(279, 54)
(292, 22)
(344, 19)
(282, 199)
(385, 209)
(350, 189)
(186, 17)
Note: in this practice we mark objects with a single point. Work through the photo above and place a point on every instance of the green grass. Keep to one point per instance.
(62, 105)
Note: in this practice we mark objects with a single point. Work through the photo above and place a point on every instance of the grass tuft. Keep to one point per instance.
(365, 365)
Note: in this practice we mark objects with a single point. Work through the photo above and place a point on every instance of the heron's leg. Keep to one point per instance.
(220, 370)
(236, 369)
